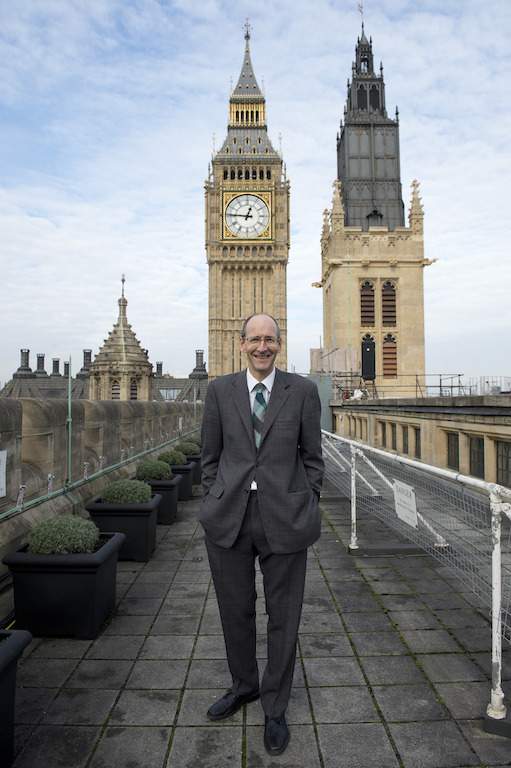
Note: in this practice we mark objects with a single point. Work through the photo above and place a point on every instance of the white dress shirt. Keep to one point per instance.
(251, 384)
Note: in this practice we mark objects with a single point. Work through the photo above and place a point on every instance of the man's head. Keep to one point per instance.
(260, 340)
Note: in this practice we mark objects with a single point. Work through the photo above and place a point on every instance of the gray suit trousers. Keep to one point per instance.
(233, 571)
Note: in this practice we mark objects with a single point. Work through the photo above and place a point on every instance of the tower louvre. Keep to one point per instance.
(368, 162)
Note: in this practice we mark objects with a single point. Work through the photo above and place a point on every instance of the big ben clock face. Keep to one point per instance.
(247, 216)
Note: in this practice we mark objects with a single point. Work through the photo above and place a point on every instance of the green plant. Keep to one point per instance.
(63, 535)
(127, 492)
(173, 457)
(188, 447)
(153, 470)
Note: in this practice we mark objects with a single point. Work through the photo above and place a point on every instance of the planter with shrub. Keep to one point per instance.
(64, 578)
(12, 645)
(180, 466)
(191, 450)
(159, 476)
(130, 507)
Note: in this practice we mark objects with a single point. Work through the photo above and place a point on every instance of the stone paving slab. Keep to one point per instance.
(393, 668)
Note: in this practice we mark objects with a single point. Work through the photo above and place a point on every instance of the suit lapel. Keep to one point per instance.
(242, 401)
(279, 394)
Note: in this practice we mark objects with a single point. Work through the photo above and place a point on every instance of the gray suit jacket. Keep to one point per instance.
(288, 467)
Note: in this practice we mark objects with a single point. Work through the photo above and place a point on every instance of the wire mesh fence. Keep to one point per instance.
(462, 522)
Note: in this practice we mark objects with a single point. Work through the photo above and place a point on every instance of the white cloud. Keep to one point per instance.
(109, 109)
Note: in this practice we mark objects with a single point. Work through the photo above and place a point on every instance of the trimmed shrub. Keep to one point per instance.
(63, 535)
(150, 469)
(127, 492)
(173, 457)
(188, 447)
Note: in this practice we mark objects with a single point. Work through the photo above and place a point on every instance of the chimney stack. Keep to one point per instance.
(66, 369)
(199, 372)
(84, 372)
(56, 365)
(159, 368)
(40, 365)
(24, 369)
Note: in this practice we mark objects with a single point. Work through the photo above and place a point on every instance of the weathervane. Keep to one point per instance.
(123, 280)
(247, 29)
(361, 11)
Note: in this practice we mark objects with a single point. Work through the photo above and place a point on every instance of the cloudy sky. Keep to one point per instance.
(108, 108)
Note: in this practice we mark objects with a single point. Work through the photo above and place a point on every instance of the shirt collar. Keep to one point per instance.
(268, 381)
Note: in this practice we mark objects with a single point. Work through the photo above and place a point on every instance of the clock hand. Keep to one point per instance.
(249, 214)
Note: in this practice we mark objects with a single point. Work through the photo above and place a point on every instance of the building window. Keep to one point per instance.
(361, 97)
(383, 427)
(405, 438)
(393, 437)
(477, 457)
(133, 390)
(367, 303)
(504, 463)
(226, 173)
(417, 433)
(374, 98)
(268, 174)
(388, 304)
(453, 450)
(389, 357)
(116, 390)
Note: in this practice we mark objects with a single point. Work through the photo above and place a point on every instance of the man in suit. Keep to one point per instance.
(261, 475)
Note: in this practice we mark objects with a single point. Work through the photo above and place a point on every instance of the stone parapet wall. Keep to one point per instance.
(103, 433)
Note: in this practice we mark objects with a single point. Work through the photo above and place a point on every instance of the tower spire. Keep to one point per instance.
(247, 86)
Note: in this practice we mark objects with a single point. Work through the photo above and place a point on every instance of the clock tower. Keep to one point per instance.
(247, 227)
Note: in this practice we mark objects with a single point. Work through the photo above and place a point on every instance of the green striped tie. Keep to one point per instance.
(258, 412)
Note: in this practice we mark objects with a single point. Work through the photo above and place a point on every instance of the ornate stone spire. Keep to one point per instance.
(247, 86)
(416, 215)
(121, 369)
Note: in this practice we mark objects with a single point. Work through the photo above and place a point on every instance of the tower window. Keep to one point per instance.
(261, 174)
(268, 173)
(389, 357)
(252, 115)
(133, 390)
(364, 66)
(361, 97)
(240, 151)
(226, 173)
(247, 140)
(254, 172)
(257, 115)
(247, 174)
(367, 303)
(259, 140)
(116, 390)
(234, 140)
(374, 98)
(388, 304)
(237, 115)
(254, 151)
(233, 174)
(240, 172)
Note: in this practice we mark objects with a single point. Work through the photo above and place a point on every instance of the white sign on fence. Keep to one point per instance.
(404, 499)
(3, 467)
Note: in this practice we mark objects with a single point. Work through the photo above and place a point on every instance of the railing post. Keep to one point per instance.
(353, 541)
(496, 709)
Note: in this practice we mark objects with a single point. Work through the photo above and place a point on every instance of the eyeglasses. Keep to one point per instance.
(254, 341)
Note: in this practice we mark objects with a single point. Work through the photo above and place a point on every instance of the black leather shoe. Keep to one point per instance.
(229, 704)
(276, 735)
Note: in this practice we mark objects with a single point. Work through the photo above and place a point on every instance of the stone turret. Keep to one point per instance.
(121, 369)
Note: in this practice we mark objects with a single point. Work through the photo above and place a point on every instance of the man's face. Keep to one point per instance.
(261, 346)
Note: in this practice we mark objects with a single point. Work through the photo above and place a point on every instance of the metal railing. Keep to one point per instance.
(125, 459)
(461, 521)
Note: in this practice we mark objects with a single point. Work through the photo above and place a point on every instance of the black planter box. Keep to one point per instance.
(12, 645)
(197, 471)
(185, 486)
(136, 521)
(65, 595)
(168, 490)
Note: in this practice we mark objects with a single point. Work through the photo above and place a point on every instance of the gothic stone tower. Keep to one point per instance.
(247, 227)
(372, 264)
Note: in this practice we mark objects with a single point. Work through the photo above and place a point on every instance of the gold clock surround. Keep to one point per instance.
(266, 197)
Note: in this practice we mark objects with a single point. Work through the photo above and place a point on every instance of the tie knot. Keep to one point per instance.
(259, 387)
